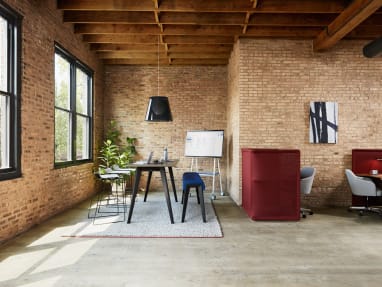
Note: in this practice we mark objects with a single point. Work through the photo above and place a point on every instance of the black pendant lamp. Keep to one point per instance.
(373, 49)
(158, 109)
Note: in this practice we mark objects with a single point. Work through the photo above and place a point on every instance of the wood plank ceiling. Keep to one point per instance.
(186, 32)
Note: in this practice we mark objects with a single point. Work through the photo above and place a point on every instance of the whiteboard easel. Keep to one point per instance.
(215, 172)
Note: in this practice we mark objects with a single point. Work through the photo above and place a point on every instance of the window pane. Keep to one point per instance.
(82, 149)
(62, 136)
(4, 131)
(62, 82)
(82, 92)
(73, 114)
(3, 55)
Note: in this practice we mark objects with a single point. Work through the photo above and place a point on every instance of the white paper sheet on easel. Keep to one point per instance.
(204, 143)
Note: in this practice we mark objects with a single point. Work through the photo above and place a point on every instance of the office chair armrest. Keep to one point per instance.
(306, 179)
(365, 179)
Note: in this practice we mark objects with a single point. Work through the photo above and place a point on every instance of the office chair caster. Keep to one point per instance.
(360, 213)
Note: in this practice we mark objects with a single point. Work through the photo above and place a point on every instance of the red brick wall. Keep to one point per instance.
(261, 100)
(277, 81)
(43, 191)
(233, 125)
(198, 98)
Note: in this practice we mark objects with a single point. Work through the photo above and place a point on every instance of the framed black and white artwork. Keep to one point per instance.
(323, 117)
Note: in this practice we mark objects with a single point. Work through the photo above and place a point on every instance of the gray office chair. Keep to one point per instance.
(363, 186)
(306, 181)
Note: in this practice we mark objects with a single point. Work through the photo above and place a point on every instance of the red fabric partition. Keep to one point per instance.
(271, 184)
(364, 160)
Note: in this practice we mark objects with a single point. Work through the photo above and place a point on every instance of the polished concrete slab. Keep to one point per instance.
(331, 248)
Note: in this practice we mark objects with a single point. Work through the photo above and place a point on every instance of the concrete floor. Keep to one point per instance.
(330, 248)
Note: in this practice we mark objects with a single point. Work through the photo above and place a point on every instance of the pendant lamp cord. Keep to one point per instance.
(158, 64)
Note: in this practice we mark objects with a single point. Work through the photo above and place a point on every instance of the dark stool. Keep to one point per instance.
(193, 179)
(109, 202)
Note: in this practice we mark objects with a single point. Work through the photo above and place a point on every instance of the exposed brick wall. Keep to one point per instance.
(198, 98)
(43, 191)
(279, 78)
(233, 125)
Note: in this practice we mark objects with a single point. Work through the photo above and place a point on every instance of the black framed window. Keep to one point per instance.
(73, 109)
(10, 132)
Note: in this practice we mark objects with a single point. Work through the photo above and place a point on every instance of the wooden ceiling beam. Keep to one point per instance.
(153, 48)
(150, 39)
(200, 48)
(298, 6)
(165, 62)
(279, 6)
(305, 19)
(130, 5)
(283, 32)
(199, 62)
(221, 55)
(194, 18)
(138, 55)
(199, 39)
(109, 17)
(204, 31)
(275, 19)
(201, 30)
(121, 38)
(126, 47)
(136, 61)
(247, 16)
(131, 55)
(116, 28)
(349, 19)
(189, 30)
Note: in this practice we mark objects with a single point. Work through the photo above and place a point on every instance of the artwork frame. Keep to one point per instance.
(323, 122)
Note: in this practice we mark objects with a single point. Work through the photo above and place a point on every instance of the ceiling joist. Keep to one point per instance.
(132, 32)
(350, 18)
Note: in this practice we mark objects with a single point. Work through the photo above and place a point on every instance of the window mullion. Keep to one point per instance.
(80, 133)
(73, 108)
(12, 105)
(10, 95)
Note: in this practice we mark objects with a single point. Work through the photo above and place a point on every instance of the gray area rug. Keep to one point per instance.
(151, 219)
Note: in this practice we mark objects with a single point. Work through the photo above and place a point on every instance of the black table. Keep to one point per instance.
(150, 167)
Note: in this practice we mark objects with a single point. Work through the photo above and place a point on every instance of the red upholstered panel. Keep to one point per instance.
(364, 160)
(271, 184)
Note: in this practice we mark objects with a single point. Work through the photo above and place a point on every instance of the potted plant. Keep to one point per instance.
(112, 153)
(109, 155)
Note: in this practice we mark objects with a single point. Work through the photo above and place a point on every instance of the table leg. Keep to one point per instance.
(166, 193)
(134, 194)
(172, 182)
(147, 185)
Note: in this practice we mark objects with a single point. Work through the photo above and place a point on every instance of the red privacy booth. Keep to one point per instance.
(271, 183)
(363, 161)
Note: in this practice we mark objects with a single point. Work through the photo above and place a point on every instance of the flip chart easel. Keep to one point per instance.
(215, 172)
(206, 144)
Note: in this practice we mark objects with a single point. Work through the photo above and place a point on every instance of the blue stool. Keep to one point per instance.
(193, 179)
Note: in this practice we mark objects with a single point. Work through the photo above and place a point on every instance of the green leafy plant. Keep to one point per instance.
(112, 133)
(109, 155)
(112, 152)
(130, 146)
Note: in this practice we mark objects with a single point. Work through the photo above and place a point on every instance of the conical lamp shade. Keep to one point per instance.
(158, 110)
